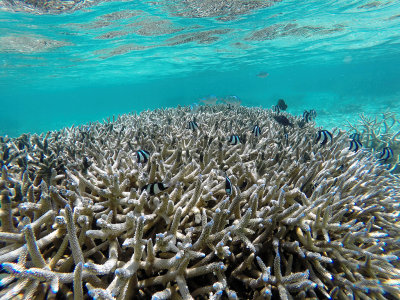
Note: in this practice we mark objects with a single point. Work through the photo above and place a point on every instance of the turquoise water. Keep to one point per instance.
(338, 57)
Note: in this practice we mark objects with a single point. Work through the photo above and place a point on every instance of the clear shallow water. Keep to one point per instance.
(339, 57)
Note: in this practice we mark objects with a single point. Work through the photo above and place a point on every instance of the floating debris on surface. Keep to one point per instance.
(84, 212)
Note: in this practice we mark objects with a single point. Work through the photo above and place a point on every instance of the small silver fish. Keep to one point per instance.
(210, 100)
(262, 75)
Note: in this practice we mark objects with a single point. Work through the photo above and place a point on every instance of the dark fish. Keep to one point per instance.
(355, 145)
(234, 140)
(325, 135)
(256, 130)
(386, 154)
(243, 139)
(286, 137)
(355, 136)
(275, 109)
(281, 104)
(282, 120)
(142, 156)
(193, 125)
(228, 186)
(153, 188)
(85, 164)
(301, 123)
(306, 116)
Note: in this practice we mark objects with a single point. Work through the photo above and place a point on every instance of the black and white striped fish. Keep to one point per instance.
(228, 186)
(355, 144)
(386, 154)
(256, 130)
(193, 125)
(234, 140)
(306, 116)
(281, 104)
(309, 115)
(142, 156)
(276, 109)
(286, 138)
(153, 188)
(355, 136)
(325, 135)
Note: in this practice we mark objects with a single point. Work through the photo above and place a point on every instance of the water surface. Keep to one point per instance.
(63, 67)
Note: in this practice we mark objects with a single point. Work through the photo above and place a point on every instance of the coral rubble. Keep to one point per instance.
(81, 217)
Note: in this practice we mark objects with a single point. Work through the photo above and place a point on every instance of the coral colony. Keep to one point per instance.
(151, 206)
(380, 135)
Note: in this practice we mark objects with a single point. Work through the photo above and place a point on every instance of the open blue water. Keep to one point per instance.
(338, 57)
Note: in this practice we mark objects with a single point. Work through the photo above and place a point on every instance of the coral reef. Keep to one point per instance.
(379, 132)
(81, 217)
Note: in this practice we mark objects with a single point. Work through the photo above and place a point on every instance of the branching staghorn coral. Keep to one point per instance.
(82, 218)
(379, 132)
